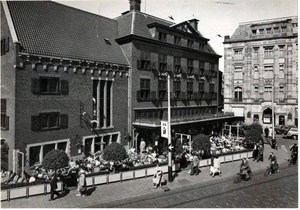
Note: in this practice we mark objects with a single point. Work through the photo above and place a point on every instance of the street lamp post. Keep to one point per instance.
(169, 132)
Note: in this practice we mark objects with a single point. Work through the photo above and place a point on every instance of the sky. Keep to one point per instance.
(215, 16)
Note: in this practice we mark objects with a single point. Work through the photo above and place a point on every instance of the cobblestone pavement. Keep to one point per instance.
(142, 188)
(278, 190)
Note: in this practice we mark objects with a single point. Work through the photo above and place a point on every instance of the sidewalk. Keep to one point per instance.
(133, 188)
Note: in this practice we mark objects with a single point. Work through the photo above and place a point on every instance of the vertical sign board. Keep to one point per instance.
(164, 129)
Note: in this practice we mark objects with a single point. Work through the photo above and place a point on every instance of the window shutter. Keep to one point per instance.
(35, 86)
(6, 123)
(154, 65)
(139, 64)
(6, 44)
(64, 87)
(35, 123)
(138, 95)
(64, 121)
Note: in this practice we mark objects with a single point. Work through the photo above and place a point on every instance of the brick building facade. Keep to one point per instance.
(63, 81)
(155, 48)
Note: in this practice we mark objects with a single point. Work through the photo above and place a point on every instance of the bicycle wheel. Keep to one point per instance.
(237, 179)
(267, 172)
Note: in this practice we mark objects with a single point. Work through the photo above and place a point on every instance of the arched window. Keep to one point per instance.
(267, 116)
(255, 118)
(290, 116)
(281, 120)
(238, 94)
(249, 114)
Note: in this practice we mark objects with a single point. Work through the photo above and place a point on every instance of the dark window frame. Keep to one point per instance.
(145, 88)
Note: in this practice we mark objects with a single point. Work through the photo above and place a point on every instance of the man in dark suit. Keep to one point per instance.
(53, 186)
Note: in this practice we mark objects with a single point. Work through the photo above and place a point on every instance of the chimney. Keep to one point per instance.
(194, 23)
(135, 5)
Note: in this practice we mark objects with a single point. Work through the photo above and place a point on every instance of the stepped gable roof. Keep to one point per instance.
(52, 29)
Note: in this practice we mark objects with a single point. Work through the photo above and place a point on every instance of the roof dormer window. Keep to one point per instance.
(162, 37)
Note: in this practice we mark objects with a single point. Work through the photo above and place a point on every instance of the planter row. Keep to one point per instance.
(27, 191)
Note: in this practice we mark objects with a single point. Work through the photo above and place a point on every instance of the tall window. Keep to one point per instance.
(201, 86)
(268, 93)
(256, 93)
(4, 45)
(256, 74)
(238, 75)
(162, 62)
(281, 51)
(268, 72)
(268, 53)
(281, 71)
(238, 54)
(276, 30)
(254, 32)
(102, 92)
(177, 40)
(190, 43)
(145, 61)
(281, 92)
(177, 65)
(268, 30)
(4, 118)
(201, 65)
(238, 94)
(190, 66)
(177, 88)
(162, 36)
(190, 89)
(162, 89)
(255, 52)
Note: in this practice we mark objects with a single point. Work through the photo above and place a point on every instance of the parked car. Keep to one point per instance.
(291, 133)
(281, 130)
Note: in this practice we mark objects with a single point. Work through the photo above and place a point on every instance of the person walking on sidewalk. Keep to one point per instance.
(267, 132)
(53, 185)
(158, 177)
(195, 165)
(255, 151)
(216, 167)
(81, 182)
(260, 156)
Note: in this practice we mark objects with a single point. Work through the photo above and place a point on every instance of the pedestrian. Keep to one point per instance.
(53, 185)
(216, 167)
(195, 165)
(158, 178)
(267, 132)
(81, 182)
(255, 152)
(260, 153)
(142, 146)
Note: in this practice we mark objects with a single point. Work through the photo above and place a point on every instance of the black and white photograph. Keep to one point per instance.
(149, 104)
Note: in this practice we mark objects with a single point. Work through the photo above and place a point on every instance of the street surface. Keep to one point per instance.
(277, 190)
